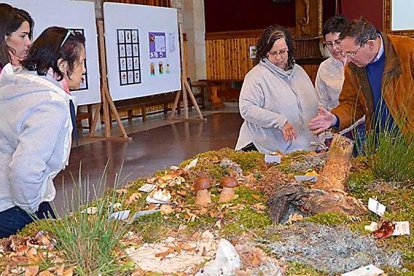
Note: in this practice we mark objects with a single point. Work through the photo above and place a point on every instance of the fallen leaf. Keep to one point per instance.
(293, 218)
(256, 197)
(166, 209)
(259, 207)
(122, 191)
(165, 253)
(133, 198)
(31, 270)
(68, 272)
(182, 192)
(45, 273)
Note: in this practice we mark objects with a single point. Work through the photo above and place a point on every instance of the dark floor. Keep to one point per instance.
(149, 151)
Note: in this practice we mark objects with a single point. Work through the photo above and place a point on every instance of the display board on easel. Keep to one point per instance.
(74, 15)
(142, 50)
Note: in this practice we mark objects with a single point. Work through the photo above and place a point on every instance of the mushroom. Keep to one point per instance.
(201, 184)
(228, 183)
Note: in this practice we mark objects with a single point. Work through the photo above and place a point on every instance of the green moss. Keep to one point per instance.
(153, 228)
(330, 219)
(209, 162)
(298, 269)
(358, 181)
(246, 220)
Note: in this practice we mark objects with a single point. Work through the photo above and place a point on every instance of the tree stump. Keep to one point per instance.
(328, 194)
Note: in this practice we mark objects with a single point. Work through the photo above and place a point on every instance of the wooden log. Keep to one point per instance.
(336, 170)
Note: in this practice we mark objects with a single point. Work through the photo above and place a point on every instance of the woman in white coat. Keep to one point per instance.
(277, 99)
(35, 132)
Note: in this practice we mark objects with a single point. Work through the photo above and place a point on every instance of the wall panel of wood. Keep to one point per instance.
(227, 54)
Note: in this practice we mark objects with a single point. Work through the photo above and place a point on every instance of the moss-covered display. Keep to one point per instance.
(245, 216)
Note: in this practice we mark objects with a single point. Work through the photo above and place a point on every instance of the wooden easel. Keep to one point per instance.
(185, 86)
(106, 100)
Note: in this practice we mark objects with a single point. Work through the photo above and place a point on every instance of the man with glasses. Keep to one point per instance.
(379, 81)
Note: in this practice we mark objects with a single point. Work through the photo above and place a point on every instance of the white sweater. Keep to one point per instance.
(269, 98)
(329, 81)
(35, 138)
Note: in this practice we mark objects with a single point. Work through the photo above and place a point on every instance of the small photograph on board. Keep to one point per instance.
(167, 69)
(136, 63)
(135, 49)
(152, 69)
(157, 47)
(252, 51)
(130, 64)
(128, 38)
(137, 76)
(122, 62)
(83, 84)
(129, 50)
(121, 36)
(121, 48)
(134, 34)
(124, 79)
(130, 77)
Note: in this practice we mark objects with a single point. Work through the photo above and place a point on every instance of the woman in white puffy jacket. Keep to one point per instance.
(36, 127)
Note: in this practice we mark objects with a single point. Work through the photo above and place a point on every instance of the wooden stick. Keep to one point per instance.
(106, 98)
(95, 116)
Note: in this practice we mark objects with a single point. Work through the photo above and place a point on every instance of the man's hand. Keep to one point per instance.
(323, 121)
(289, 132)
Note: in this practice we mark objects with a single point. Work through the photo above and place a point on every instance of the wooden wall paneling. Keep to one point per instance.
(228, 58)
(244, 53)
(236, 58)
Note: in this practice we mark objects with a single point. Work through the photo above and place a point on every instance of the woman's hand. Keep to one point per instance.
(289, 132)
(323, 121)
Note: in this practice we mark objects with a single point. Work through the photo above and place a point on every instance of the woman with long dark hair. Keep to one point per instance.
(35, 133)
(16, 29)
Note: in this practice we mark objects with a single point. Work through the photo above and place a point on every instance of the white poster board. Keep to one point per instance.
(76, 15)
(402, 17)
(142, 50)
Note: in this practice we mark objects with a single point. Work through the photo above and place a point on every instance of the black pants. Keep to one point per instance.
(15, 218)
(249, 147)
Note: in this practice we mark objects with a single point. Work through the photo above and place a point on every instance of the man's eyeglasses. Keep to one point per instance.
(280, 53)
(351, 54)
(331, 44)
